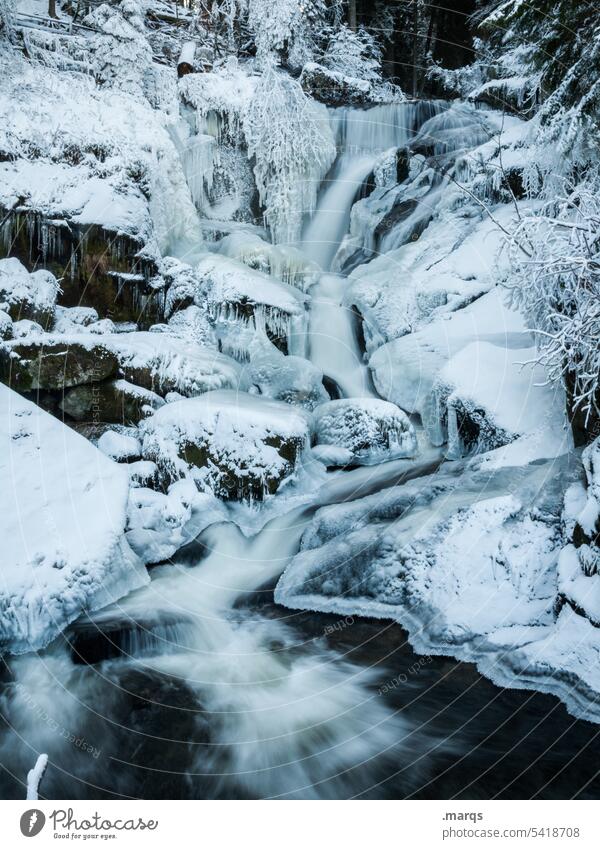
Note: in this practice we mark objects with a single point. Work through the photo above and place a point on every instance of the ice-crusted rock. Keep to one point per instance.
(31, 296)
(159, 523)
(56, 362)
(371, 430)
(284, 262)
(241, 299)
(235, 445)
(62, 522)
(294, 380)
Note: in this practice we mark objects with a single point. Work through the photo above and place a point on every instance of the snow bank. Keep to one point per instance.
(486, 396)
(404, 370)
(62, 521)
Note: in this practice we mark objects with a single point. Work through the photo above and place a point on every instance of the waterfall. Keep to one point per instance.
(362, 136)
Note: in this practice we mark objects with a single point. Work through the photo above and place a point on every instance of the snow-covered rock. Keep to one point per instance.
(240, 298)
(334, 88)
(62, 525)
(283, 262)
(238, 446)
(164, 363)
(370, 430)
(121, 447)
(160, 523)
(404, 370)
(28, 296)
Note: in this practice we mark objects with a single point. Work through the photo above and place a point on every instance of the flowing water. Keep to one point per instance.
(199, 686)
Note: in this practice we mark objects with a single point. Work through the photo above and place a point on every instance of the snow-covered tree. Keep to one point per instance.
(556, 284)
(7, 8)
(120, 53)
(288, 29)
(290, 139)
(353, 53)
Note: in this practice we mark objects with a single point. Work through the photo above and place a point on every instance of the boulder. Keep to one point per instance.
(369, 430)
(55, 363)
(115, 401)
(235, 445)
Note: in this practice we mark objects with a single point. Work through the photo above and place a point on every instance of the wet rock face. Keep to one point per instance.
(98, 268)
(114, 401)
(55, 365)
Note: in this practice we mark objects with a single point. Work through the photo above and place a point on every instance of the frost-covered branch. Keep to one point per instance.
(558, 289)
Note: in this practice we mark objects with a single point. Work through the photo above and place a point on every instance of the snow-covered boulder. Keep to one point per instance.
(113, 401)
(164, 363)
(56, 362)
(370, 430)
(241, 299)
(334, 88)
(31, 296)
(487, 395)
(238, 446)
(62, 523)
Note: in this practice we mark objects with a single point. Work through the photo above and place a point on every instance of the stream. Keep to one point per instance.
(200, 686)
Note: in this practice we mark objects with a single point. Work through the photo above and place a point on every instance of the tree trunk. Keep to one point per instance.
(52, 9)
(352, 22)
(415, 56)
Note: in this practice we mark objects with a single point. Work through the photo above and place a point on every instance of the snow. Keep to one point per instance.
(35, 775)
(371, 430)
(119, 446)
(28, 296)
(63, 516)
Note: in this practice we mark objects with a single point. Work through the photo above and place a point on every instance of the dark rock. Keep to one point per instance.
(54, 365)
(115, 401)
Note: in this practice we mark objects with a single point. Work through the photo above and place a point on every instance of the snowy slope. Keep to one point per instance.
(62, 517)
